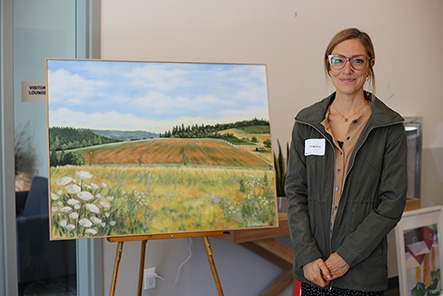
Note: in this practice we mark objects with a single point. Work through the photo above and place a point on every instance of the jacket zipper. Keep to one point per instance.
(332, 202)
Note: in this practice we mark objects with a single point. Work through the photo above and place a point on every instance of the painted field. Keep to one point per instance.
(99, 201)
(208, 152)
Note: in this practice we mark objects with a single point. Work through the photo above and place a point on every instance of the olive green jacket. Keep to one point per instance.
(372, 202)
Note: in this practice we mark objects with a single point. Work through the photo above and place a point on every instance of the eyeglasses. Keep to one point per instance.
(338, 62)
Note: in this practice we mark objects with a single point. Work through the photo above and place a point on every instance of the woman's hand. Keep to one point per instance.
(336, 266)
(317, 272)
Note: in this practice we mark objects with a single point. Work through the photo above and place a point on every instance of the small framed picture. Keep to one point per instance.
(419, 252)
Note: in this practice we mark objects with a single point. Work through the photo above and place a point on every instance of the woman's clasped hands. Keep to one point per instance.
(322, 272)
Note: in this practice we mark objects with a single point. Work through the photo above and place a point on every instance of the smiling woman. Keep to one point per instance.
(347, 178)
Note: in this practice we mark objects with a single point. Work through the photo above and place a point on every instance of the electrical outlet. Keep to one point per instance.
(149, 278)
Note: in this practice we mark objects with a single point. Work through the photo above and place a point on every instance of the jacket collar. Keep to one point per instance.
(381, 114)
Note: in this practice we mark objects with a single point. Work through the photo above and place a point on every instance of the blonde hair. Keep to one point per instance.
(363, 37)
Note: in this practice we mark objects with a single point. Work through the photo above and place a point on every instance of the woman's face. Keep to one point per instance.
(349, 81)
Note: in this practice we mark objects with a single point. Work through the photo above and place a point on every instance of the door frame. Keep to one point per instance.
(89, 251)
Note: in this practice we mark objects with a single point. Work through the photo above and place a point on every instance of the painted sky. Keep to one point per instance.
(153, 96)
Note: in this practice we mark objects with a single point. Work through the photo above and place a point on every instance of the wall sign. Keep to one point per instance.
(33, 91)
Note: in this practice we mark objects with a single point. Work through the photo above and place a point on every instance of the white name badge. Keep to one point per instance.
(315, 147)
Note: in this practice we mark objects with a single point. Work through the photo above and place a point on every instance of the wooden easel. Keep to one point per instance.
(144, 239)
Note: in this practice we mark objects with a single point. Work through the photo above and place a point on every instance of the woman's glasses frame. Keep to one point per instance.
(357, 62)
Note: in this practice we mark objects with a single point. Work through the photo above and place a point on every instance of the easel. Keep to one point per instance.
(144, 239)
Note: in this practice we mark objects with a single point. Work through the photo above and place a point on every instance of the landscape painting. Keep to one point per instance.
(158, 147)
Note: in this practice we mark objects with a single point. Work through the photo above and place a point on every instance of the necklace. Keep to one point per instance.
(346, 118)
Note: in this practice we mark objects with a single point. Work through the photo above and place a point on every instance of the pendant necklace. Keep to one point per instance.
(350, 116)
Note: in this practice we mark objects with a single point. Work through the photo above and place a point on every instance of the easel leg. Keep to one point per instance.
(142, 267)
(212, 264)
(118, 256)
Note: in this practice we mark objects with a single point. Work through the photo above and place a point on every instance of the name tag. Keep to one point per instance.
(315, 147)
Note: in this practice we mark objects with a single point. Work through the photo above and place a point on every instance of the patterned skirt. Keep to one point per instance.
(308, 290)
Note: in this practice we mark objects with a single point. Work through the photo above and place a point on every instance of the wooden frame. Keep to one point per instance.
(175, 147)
(419, 251)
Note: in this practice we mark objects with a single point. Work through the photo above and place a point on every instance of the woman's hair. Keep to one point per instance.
(363, 37)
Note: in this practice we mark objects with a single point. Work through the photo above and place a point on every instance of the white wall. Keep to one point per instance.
(290, 37)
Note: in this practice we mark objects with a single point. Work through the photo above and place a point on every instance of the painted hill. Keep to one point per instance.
(125, 135)
(210, 152)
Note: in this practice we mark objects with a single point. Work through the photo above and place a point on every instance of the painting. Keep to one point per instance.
(141, 147)
(419, 252)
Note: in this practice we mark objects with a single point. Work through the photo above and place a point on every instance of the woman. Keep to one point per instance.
(347, 178)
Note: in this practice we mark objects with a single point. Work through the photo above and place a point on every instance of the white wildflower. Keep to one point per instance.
(73, 215)
(85, 222)
(65, 209)
(63, 223)
(91, 231)
(105, 204)
(85, 195)
(70, 227)
(92, 208)
(64, 181)
(96, 220)
(94, 186)
(73, 189)
(73, 202)
(54, 196)
(83, 175)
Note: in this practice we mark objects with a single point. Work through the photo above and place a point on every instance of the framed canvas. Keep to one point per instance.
(140, 147)
(419, 251)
